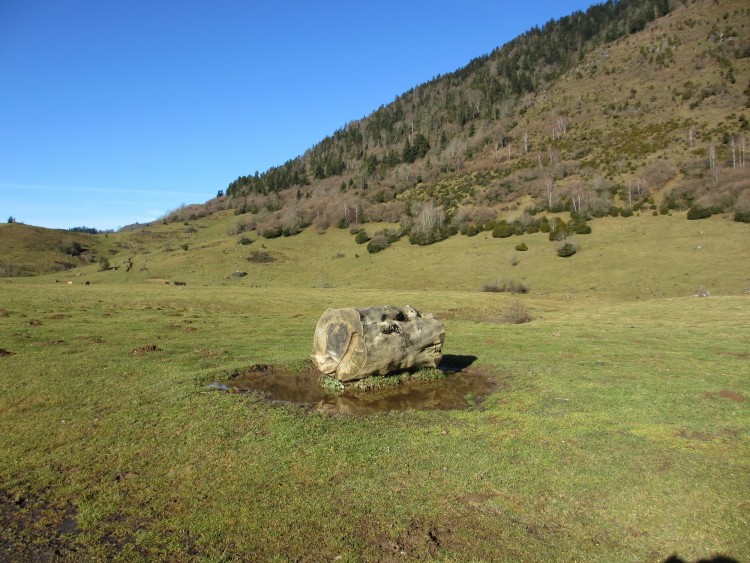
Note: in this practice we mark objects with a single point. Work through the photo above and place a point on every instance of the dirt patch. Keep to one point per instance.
(726, 394)
(53, 342)
(97, 340)
(35, 322)
(4, 352)
(700, 436)
(143, 350)
(59, 316)
(31, 530)
(4, 313)
(191, 329)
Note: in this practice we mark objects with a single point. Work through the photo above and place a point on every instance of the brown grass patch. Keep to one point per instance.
(143, 350)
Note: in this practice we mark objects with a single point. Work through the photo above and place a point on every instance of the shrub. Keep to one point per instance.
(515, 312)
(522, 247)
(184, 246)
(505, 286)
(579, 228)
(626, 212)
(72, 247)
(566, 250)
(423, 238)
(273, 232)
(502, 230)
(697, 212)
(377, 243)
(362, 237)
(103, 263)
(742, 216)
(244, 241)
(260, 257)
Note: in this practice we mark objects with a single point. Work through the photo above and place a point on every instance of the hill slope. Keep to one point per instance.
(596, 111)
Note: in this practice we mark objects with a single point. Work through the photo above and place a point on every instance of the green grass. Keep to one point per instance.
(608, 439)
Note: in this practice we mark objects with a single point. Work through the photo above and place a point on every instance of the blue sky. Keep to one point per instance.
(115, 112)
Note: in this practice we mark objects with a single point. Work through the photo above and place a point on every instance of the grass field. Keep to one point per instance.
(620, 430)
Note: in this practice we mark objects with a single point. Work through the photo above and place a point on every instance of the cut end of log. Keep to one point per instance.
(351, 343)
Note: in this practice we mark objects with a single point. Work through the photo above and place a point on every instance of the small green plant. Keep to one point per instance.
(244, 241)
(522, 247)
(567, 249)
(185, 247)
(104, 263)
(331, 385)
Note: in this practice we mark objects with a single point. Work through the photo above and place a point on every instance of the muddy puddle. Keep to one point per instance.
(461, 388)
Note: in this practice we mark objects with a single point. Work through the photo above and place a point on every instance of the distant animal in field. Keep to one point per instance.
(70, 283)
(87, 283)
(179, 283)
(8, 282)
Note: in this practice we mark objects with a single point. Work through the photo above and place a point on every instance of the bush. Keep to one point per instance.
(515, 312)
(579, 228)
(72, 247)
(626, 212)
(260, 257)
(244, 241)
(567, 249)
(104, 264)
(273, 232)
(742, 216)
(362, 237)
(436, 235)
(377, 243)
(505, 286)
(502, 230)
(522, 247)
(697, 212)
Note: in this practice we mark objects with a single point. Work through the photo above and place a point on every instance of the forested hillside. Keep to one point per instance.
(633, 106)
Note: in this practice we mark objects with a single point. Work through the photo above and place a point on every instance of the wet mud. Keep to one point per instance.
(462, 387)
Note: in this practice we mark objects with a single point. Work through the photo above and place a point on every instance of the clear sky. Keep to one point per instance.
(115, 112)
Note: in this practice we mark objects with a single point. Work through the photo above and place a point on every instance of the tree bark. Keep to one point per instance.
(350, 343)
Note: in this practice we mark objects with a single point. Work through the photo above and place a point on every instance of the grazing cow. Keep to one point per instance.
(87, 283)
(70, 283)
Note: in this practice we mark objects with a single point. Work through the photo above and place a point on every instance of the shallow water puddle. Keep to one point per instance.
(458, 390)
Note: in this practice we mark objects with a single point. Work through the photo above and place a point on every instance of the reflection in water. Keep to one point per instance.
(459, 390)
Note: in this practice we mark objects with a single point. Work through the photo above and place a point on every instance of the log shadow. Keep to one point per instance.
(454, 362)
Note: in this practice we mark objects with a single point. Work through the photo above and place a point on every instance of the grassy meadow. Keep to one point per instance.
(620, 430)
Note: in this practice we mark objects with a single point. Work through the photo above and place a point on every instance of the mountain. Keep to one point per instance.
(632, 104)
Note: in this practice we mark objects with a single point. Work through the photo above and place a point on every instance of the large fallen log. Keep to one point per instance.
(351, 343)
